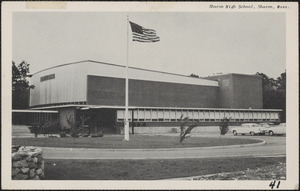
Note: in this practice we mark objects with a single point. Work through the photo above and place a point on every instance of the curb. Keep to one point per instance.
(158, 149)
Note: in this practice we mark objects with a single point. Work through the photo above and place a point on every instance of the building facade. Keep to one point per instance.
(156, 99)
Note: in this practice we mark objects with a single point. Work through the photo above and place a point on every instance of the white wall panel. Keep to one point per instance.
(211, 114)
(160, 114)
(268, 116)
(135, 114)
(69, 85)
(259, 115)
(250, 115)
(272, 115)
(167, 114)
(196, 114)
(172, 114)
(179, 113)
(190, 114)
(141, 114)
(236, 115)
(255, 115)
(246, 115)
(201, 114)
(120, 114)
(276, 115)
(242, 116)
(147, 114)
(231, 114)
(222, 114)
(154, 114)
(206, 114)
(217, 114)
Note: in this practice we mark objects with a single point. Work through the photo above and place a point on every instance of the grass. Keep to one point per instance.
(56, 169)
(136, 142)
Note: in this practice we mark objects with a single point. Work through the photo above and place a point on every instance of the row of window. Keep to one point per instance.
(194, 115)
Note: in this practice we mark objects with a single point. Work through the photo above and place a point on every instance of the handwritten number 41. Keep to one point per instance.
(272, 184)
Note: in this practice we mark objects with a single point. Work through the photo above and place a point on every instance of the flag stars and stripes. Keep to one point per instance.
(141, 34)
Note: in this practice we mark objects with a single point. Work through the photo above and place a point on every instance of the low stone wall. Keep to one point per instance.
(27, 163)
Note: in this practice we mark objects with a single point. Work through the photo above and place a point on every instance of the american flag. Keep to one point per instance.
(142, 34)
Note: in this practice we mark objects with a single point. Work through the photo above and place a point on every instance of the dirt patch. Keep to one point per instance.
(270, 172)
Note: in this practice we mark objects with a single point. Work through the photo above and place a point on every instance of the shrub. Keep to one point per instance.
(99, 134)
(44, 127)
(185, 133)
(224, 126)
(173, 130)
(63, 134)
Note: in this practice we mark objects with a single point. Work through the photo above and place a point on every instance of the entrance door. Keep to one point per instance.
(106, 120)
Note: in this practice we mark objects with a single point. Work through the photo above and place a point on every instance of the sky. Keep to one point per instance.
(203, 43)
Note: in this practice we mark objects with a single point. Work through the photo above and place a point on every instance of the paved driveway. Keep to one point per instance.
(275, 146)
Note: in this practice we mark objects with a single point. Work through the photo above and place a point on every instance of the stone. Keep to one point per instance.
(38, 165)
(28, 159)
(35, 160)
(15, 157)
(21, 163)
(23, 154)
(40, 159)
(25, 170)
(39, 171)
(15, 171)
(32, 173)
(20, 177)
(32, 165)
(36, 178)
(42, 176)
(34, 154)
(15, 148)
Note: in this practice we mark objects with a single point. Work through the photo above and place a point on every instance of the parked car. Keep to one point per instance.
(247, 128)
(278, 130)
(265, 127)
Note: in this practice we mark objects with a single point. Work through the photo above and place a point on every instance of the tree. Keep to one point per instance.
(194, 75)
(20, 85)
(224, 126)
(274, 93)
(74, 127)
(185, 133)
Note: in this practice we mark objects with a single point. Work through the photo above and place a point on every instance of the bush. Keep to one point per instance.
(99, 134)
(173, 130)
(62, 134)
(224, 126)
(185, 133)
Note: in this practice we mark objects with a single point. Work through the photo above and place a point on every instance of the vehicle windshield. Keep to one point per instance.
(255, 125)
(264, 125)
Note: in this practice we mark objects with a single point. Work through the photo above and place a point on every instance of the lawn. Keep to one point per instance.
(57, 169)
(136, 142)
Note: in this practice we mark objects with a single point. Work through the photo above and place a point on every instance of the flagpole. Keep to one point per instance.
(126, 121)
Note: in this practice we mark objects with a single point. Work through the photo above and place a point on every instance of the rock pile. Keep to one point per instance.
(27, 163)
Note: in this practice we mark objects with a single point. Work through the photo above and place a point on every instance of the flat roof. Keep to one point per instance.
(227, 74)
(138, 107)
(117, 65)
(32, 111)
